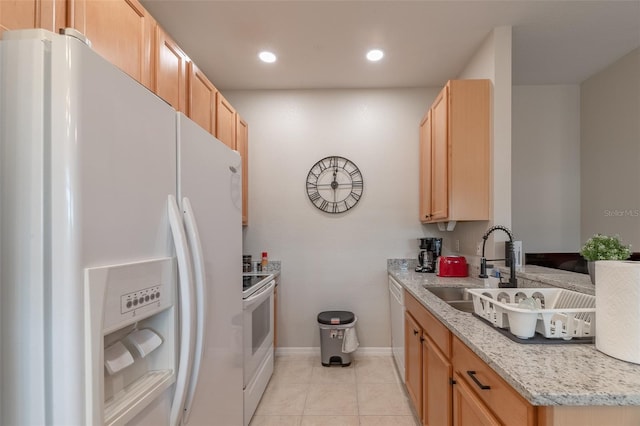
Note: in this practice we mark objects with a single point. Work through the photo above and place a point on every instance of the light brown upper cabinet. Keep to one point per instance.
(425, 172)
(121, 31)
(24, 14)
(454, 158)
(202, 99)
(171, 71)
(242, 146)
(225, 121)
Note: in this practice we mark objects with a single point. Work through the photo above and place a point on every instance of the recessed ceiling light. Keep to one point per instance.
(267, 57)
(375, 55)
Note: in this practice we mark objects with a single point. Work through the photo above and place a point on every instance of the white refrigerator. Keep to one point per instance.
(118, 305)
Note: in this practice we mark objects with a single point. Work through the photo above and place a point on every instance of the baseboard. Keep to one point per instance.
(315, 351)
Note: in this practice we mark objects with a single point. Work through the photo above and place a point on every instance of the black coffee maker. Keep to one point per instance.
(430, 250)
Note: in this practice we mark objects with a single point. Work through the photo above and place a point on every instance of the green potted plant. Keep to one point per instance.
(603, 247)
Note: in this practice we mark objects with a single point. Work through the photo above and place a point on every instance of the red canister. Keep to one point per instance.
(453, 266)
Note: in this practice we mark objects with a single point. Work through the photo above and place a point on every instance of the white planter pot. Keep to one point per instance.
(618, 309)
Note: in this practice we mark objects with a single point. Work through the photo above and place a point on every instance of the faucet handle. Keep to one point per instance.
(483, 268)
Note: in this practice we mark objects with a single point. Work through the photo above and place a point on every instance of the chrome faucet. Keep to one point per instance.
(513, 282)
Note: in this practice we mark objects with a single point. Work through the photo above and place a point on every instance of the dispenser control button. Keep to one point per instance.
(140, 299)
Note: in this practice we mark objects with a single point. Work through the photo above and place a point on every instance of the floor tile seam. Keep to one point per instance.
(306, 398)
(355, 373)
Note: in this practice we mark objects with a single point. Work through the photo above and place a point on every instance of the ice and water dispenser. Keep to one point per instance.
(130, 332)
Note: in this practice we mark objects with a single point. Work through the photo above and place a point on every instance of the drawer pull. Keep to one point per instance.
(472, 374)
(415, 332)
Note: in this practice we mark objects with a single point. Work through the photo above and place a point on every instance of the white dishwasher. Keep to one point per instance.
(396, 307)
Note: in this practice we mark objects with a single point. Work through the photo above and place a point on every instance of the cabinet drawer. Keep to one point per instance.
(438, 333)
(499, 397)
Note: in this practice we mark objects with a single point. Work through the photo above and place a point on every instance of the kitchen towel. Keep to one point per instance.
(350, 341)
(618, 309)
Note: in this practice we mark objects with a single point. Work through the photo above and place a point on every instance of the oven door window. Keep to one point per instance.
(260, 325)
(258, 331)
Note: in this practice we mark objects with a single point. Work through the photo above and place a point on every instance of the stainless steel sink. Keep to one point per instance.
(449, 293)
(456, 297)
(462, 305)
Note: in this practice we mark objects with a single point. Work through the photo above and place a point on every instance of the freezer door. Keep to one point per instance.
(209, 176)
(88, 160)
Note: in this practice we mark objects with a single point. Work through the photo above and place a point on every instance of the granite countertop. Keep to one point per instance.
(545, 375)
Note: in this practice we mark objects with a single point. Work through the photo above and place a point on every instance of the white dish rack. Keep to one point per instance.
(560, 313)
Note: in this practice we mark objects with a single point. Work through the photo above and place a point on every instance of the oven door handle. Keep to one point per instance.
(259, 296)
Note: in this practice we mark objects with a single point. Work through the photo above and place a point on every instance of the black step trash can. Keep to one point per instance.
(337, 337)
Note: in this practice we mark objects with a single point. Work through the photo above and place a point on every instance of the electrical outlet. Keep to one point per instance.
(479, 249)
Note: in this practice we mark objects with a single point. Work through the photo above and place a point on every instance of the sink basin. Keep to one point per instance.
(450, 293)
(456, 297)
(462, 305)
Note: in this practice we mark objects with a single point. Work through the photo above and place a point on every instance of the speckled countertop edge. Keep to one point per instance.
(545, 375)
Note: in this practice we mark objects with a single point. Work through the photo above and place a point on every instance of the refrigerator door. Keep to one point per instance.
(88, 159)
(209, 177)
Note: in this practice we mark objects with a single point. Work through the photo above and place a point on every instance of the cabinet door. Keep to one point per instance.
(494, 393)
(119, 30)
(468, 409)
(171, 71)
(425, 168)
(438, 373)
(202, 99)
(25, 14)
(242, 145)
(225, 121)
(413, 361)
(440, 156)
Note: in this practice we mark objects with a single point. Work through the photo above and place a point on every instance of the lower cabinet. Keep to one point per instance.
(436, 378)
(428, 370)
(448, 384)
(492, 392)
(413, 361)
(468, 409)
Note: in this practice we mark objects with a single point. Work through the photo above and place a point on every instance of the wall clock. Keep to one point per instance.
(334, 184)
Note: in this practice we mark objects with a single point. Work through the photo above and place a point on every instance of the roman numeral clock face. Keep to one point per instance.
(334, 184)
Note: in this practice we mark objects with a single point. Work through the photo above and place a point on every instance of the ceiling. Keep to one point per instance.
(321, 44)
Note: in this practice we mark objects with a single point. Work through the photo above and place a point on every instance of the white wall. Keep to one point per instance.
(493, 61)
(546, 167)
(610, 151)
(333, 262)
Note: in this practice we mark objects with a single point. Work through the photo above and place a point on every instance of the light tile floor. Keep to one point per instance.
(304, 393)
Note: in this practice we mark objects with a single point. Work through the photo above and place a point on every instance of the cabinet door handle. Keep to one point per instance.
(421, 339)
(415, 332)
(472, 374)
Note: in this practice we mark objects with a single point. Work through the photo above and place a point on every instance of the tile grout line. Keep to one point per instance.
(355, 374)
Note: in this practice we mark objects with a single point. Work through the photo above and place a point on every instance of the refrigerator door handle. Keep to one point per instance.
(187, 314)
(201, 301)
